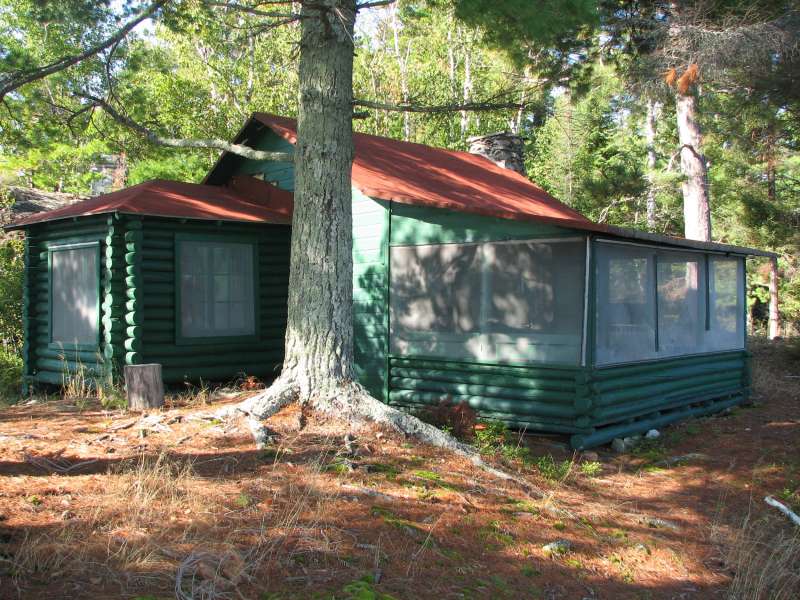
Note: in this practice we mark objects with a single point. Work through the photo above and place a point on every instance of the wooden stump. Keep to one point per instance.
(144, 387)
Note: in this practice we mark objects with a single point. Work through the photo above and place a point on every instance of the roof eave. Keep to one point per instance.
(645, 236)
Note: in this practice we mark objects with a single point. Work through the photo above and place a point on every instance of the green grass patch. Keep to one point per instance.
(591, 468)
(552, 469)
(10, 377)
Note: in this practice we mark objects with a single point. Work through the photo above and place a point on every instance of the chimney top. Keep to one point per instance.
(502, 148)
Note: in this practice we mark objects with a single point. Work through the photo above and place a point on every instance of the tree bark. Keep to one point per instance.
(319, 334)
(402, 67)
(696, 206)
(144, 387)
(653, 112)
(774, 313)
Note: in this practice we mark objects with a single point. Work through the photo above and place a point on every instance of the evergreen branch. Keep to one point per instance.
(375, 4)
(17, 79)
(251, 10)
(441, 108)
(213, 144)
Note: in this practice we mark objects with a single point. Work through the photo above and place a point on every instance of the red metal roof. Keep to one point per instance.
(163, 198)
(417, 174)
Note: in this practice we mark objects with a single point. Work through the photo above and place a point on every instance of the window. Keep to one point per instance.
(515, 301)
(217, 297)
(654, 303)
(75, 295)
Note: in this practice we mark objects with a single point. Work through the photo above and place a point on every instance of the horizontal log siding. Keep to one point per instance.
(631, 399)
(43, 364)
(152, 337)
(534, 398)
(370, 292)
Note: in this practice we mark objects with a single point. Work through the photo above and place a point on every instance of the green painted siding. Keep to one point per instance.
(280, 174)
(629, 399)
(594, 405)
(152, 335)
(44, 362)
(137, 296)
(370, 291)
(416, 225)
(533, 398)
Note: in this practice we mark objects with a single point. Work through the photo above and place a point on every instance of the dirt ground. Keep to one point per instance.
(99, 504)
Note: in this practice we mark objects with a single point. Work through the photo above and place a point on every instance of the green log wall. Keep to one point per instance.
(137, 301)
(595, 405)
(151, 317)
(631, 399)
(42, 362)
(534, 398)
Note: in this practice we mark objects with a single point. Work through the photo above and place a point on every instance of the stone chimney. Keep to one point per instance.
(503, 149)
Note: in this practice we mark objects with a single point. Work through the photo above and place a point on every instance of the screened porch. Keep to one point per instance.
(571, 301)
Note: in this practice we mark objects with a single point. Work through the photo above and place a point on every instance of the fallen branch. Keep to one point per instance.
(793, 517)
(61, 465)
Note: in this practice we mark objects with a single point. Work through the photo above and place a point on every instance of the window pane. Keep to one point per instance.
(625, 304)
(217, 297)
(75, 296)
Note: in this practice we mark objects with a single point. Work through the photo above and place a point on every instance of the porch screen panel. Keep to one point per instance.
(626, 304)
(217, 297)
(75, 302)
(681, 303)
(435, 300)
(726, 304)
(533, 300)
(503, 301)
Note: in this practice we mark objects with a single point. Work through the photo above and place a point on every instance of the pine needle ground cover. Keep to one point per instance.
(105, 504)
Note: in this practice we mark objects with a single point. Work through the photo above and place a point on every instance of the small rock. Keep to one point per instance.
(642, 548)
(526, 515)
(350, 445)
(631, 441)
(657, 523)
(618, 445)
(653, 434)
(379, 435)
(67, 515)
(590, 456)
(557, 548)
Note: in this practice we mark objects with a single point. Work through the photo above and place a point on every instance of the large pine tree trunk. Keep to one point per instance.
(319, 335)
(696, 207)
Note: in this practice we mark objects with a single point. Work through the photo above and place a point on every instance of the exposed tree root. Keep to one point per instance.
(351, 402)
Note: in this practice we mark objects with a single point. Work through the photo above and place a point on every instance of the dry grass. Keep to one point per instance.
(193, 511)
(161, 520)
(763, 556)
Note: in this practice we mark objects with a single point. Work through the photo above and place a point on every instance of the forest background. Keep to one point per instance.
(594, 106)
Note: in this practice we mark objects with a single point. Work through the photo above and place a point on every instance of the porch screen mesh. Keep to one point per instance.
(726, 303)
(506, 301)
(75, 301)
(626, 308)
(217, 296)
(681, 306)
(652, 303)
